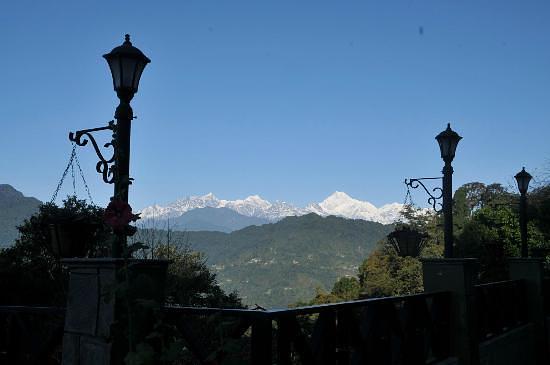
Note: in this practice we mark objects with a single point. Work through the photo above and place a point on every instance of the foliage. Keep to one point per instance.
(424, 221)
(190, 282)
(277, 264)
(471, 197)
(384, 273)
(492, 234)
(29, 270)
(539, 213)
(347, 288)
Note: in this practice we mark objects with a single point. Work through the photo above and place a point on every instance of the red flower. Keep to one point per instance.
(118, 215)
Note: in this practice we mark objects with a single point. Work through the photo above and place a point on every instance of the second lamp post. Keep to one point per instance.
(448, 141)
(523, 178)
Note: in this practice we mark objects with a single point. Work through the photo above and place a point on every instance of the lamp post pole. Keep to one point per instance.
(123, 116)
(448, 141)
(523, 178)
(448, 208)
(523, 224)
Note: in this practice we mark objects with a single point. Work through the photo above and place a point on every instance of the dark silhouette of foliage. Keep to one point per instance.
(30, 272)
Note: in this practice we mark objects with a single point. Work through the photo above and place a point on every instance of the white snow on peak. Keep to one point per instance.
(209, 196)
(338, 204)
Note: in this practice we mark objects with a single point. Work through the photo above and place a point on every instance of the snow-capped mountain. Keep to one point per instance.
(338, 204)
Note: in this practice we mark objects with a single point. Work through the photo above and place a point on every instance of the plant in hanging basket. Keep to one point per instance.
(74, 229)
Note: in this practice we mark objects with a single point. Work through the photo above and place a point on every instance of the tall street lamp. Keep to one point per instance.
(127, 64)
(523, 178)
(448, 141)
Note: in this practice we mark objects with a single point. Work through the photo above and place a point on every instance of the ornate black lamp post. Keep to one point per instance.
(448, 141)
(523, 178)
(127, 64)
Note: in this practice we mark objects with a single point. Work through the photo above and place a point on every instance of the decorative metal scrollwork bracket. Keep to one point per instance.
(435, 195)
(105, 167)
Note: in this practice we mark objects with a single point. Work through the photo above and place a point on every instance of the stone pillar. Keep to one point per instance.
(102, 291)
(531, 270)
(457, 276)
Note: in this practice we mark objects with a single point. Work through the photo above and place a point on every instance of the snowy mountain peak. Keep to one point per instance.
(209, 196)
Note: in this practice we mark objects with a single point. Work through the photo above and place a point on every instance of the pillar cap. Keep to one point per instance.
(526, 259)
(110, 262)
(452, 261)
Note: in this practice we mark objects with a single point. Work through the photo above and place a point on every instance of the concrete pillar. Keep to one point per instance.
(531, 270)
(102, 291)
(457, 276)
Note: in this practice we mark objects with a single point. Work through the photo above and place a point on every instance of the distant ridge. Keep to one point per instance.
(209, 219)
(14, 209)
(338, 204)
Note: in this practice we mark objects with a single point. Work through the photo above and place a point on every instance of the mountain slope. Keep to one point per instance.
(213, 219)
(14, 209)
(281, 263)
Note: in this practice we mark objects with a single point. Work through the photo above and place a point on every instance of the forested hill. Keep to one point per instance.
(281, 263)
(14, 209)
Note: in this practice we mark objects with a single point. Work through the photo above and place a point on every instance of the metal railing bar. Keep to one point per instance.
(29, 309)
(173, 309)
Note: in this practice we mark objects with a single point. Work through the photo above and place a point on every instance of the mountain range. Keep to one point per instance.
(338, 204)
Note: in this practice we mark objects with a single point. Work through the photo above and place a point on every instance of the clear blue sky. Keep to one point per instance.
(287, 99)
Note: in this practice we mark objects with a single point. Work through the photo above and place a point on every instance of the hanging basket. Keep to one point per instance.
(72, 239)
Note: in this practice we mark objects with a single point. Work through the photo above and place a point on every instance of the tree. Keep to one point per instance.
(384, 273)
(189, 281)
(539, 212)
(491, 235)
(347, 288)
(30, 273)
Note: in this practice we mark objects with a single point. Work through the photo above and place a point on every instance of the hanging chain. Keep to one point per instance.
(72, 160)
(72, 175)
(73, 154)
(408, 198)
(83, 179)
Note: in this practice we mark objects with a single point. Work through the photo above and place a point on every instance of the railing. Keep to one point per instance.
(31, 335)
(500, 307)
(411, 329)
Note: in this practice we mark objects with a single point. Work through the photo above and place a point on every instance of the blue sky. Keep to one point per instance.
(287, 99)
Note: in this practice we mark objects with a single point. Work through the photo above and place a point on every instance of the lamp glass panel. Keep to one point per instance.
(139, 69)
(114, 65)
(444, 146)
(128, 69)
(523, 182)
(453, 143)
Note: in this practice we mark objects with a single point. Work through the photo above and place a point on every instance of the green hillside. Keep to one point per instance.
(14, 209)
(281, 263)
(213, 219)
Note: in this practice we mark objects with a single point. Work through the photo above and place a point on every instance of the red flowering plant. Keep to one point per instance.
(118, 216)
